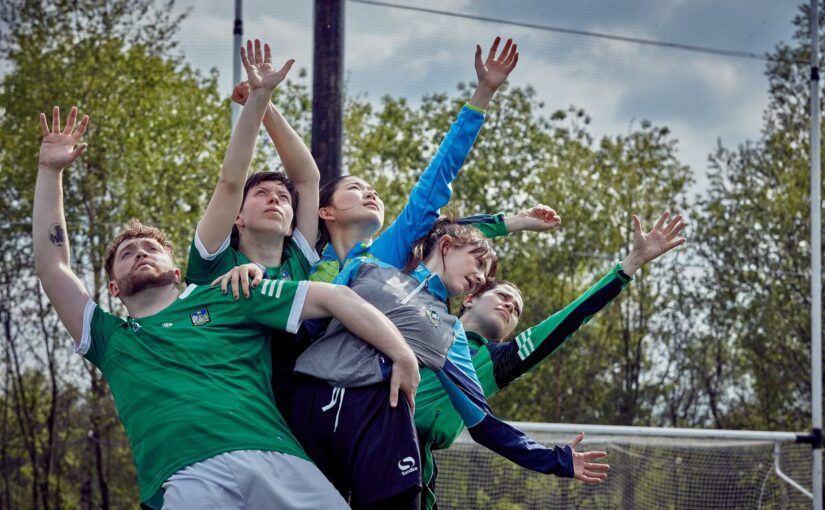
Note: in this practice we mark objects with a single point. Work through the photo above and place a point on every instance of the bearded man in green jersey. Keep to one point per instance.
(189, 371)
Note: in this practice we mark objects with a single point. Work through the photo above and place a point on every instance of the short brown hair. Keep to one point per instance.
(133, 229)
(481, 289)
(462, 235)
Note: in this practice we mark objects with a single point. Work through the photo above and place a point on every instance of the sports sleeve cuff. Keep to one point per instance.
(624, 276)
(306, 250)
(294, 320)
(476, 108)
(82, 347)
(203, 252)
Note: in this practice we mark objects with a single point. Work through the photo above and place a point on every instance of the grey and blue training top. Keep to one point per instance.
(416, 304)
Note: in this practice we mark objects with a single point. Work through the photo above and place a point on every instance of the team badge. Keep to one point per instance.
(432, 314)
(135, 326)
(200, 317)
(285, 275)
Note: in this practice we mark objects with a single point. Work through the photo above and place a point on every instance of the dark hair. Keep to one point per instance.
(461, 235)
(488, 285)
(133, 229)
(325, 200)
(257, 178)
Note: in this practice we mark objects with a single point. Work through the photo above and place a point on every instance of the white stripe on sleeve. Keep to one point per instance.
(294, 320)
(203, 252)
(86, 337)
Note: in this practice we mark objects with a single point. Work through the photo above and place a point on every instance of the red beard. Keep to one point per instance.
(133, 282)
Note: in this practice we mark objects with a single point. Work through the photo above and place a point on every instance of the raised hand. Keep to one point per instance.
(648, 246)
(585, 471)
(241, 92)
(259, 70)
(60, 148)
(539, 218)
(493, 71)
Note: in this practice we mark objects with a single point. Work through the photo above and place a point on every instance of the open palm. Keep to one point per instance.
(60, 148)
(495, 70)
(660, 240)
(259, 68)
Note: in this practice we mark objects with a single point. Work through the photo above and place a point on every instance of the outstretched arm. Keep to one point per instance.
(299, 164)
(217, 221)
(500, 363)
(509, 442)
(50, 240)
(433, 191)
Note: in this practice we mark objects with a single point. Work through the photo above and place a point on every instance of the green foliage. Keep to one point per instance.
(755, 235)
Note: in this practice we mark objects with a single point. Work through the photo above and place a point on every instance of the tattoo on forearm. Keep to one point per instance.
(57, 236)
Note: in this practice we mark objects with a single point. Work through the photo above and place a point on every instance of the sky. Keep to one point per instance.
(701, 97)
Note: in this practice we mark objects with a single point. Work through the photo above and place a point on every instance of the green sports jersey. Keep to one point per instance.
(497, 364)
(296, 261)
(193, 380)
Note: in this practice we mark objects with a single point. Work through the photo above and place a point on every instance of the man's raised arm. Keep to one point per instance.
(217, 221)
(51, 244)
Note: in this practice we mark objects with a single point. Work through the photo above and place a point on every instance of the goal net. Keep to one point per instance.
(647, 472)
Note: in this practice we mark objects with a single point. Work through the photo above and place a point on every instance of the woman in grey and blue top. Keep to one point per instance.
(368, 450)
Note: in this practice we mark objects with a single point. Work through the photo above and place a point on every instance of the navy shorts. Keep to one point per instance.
(367, 449)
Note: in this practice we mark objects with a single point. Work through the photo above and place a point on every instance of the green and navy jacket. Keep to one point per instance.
(432, 192)
(497, 364)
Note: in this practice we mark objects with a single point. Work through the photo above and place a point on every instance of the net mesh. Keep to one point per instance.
(656, 473)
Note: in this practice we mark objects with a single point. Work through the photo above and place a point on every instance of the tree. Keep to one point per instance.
(755, 237)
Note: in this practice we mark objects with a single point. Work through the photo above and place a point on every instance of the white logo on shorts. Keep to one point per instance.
(407, 465)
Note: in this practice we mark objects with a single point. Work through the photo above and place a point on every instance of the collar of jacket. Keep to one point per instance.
(434, 284)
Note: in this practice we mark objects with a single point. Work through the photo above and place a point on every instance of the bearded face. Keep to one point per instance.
(140, 280)
(141, 264)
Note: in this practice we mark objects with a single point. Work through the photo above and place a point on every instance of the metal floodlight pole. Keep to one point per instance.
(237, 38)
(816, 266)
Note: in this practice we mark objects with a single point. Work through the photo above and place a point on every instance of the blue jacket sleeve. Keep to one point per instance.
(486, 429)
(431, 192)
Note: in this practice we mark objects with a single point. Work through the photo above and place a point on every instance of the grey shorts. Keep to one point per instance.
(250, 479)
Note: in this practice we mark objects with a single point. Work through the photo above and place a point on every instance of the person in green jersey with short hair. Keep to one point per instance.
(267, 219)
(491, 313)
(189, 371)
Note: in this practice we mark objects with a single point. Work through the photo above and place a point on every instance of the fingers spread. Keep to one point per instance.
(287, 66)
(44, 126)
(244, 57)
(56, 119)
(596, 467)
(662, 219)
(491, 55)
(259, 58)
(81, 128)
(505, 53)
(70, 121)
(576, 440)
(267, 54)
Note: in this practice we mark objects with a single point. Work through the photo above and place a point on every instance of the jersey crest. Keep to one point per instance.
(200, 317)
